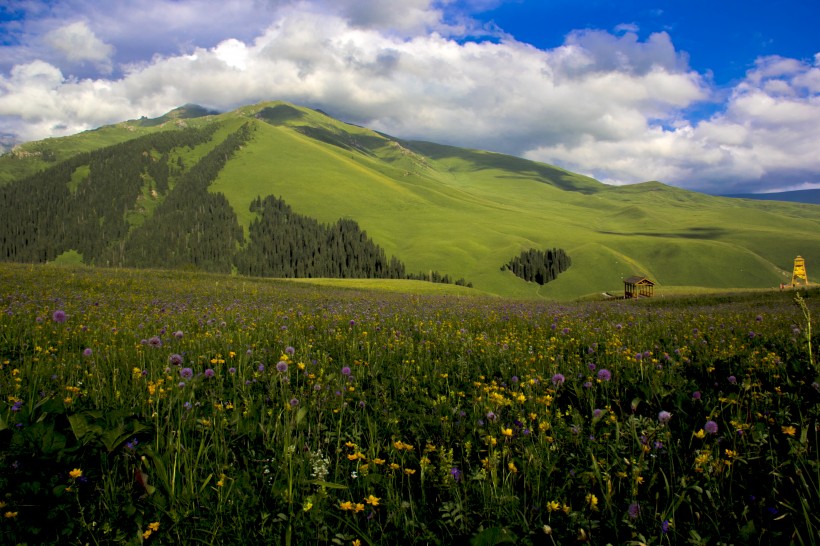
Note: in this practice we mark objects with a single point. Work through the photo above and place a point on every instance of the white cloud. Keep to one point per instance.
(77, 43)
(608, 105)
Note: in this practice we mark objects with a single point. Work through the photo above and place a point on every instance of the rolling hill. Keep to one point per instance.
(434, 207)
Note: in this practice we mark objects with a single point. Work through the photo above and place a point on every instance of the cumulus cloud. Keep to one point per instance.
(77, 43)
(608, 105)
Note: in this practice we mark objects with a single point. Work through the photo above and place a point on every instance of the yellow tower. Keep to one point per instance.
(799, 271)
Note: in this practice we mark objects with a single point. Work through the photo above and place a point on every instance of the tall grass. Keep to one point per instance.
(142, 408)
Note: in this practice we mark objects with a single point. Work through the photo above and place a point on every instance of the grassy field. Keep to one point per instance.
(467, 212)
(144, 407)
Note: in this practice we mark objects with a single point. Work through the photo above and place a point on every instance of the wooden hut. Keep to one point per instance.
(638, 286)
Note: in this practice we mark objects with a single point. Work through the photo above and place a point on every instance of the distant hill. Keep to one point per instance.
(190, 189)
(797, 196)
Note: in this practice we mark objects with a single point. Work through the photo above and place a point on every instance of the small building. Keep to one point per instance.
(638, 286)
(799, 272)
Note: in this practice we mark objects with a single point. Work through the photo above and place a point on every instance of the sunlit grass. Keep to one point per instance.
(142, 407)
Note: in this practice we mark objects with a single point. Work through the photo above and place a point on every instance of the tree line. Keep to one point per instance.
(284, 243)
(89, 203)
(541, 266)
(61, 209)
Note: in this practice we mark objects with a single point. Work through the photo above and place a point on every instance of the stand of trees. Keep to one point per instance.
(88, 204)
(192, 227)
(286, 244)
(538, 265)
(45, 214)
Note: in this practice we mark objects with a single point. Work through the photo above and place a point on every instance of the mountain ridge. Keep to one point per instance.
(460, 211)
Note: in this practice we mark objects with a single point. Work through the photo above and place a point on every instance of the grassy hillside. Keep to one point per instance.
(467, 212)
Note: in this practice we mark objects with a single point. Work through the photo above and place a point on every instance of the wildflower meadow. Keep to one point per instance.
(168, 408)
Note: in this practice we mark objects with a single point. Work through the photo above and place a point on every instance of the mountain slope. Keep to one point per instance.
(463, 212)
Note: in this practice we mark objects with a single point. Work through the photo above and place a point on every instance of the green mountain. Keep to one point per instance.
(179, 191)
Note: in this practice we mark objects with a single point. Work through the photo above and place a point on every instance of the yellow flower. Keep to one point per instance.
(10, 515)
(357, 542)
(373, 501)
(347, 505)
(409, 471)
(507, 432)
(359, 507)
(512, 468)
(378, 461)
(592, 500)
(154, 526)
(790, 430)
(394, 466)
(553, 506)
(700, 434)
(307, 506)
(146, 534)
(76, 473)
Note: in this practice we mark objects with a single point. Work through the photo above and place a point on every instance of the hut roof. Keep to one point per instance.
(638, 279)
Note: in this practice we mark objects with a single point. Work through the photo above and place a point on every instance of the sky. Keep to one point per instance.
(718, 96)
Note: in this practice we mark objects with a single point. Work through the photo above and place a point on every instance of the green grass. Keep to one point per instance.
(467, 212)
(147, 407)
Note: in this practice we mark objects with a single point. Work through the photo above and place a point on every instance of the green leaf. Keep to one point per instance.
(79, 426)
(328, 485)
(493, 536)
(300, 415)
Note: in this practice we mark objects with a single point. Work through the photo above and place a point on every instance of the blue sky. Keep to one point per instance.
(720, 96)
(722, 37)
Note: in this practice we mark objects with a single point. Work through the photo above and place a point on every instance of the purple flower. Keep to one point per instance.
(88, 352)
(17, 405)
(59, 316)
(290, 350)
(282, 366)
(294, 402)
(132, 445)
(455, 473)
(732, 379)
(588, 384)
(696, 395)
(209, 373)
(591, 366)
(710, 427)
(176, 359)
(664, 417)
(665, 526)
(346, 370)
(231, 370)
(155, 341)
(261, 367)
(604, 374)
(596, 413)
(178, 334)
(491, 416)
(186, 373)
(558, 379)
(634, 510)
